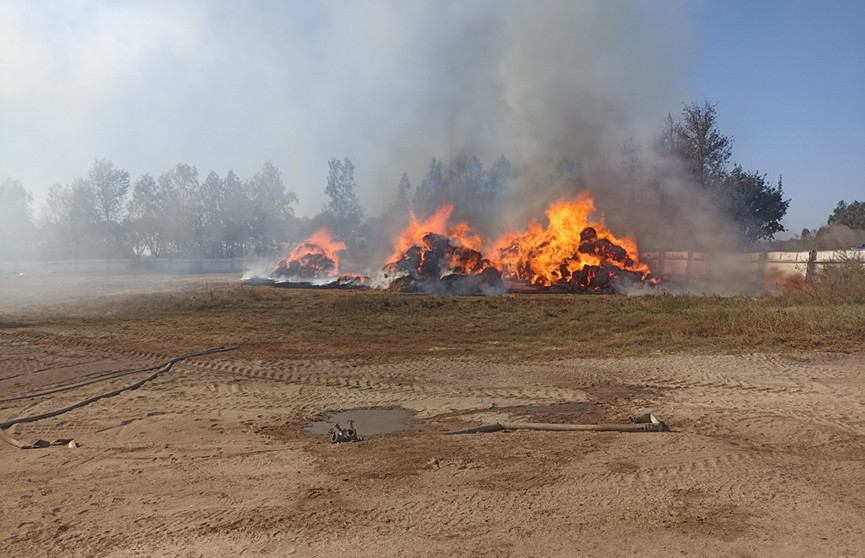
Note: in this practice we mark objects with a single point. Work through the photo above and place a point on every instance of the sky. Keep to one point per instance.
(229, 85)
(789, 81)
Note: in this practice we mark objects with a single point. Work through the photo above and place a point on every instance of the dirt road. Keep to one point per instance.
(210, 459)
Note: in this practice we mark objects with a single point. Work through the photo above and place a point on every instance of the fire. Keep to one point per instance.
(439, 258)
(456, 249)
(316, 257)
(352, 280)
(570, 252)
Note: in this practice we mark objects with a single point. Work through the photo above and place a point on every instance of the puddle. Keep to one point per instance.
(367, 422)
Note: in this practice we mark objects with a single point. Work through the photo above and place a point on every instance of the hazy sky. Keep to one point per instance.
(391, 84)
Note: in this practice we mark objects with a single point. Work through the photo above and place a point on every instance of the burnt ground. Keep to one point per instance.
(211, 458)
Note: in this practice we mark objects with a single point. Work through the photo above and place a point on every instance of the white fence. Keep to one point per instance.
(759, 269)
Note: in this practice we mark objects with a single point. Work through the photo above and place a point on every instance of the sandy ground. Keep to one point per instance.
(211, 458)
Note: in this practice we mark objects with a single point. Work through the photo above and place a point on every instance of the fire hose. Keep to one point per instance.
(160, 369)
(641, 423)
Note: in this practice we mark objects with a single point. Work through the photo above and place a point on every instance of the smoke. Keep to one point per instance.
(541, 83)
(836, 237)
(389, 84)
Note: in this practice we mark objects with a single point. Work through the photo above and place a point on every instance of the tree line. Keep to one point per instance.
(105, 215)
(178, 214)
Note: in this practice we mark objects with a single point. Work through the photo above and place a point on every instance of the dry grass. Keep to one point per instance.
(842, 281)
(347, 325)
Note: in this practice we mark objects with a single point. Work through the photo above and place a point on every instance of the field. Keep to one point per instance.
(765, 397)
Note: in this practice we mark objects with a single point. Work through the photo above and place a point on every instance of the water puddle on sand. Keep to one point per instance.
(367, 422)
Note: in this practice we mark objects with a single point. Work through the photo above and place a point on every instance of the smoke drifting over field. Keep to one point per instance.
(389, 84)
(543, 82)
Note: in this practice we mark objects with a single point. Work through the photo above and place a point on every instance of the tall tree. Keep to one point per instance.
(71, 216)
(667, 140)
(696, 140)
(750, 201)
(402, 205)
(498, 180)
(270, 208)
(755, 204)
(213, 202)
(343, 208)
(110, 186)
(236, 215)
(182, 215)
(851, 215)
(433, 191)
(144, 214)
(466, 180)
(16, 219)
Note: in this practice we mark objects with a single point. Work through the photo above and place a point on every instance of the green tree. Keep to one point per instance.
(72, 220)
(755, 204)
(433, 191)
(270, 209)
(343, 209)
(110, 186)
(144, 213)
(213, 200)
(466, 180)
(16, 220)
(851, 215)
(237, 215)
(181, 218)
(697, 142)
(402, 205)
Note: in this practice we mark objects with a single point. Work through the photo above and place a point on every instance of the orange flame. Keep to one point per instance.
(317, 256)
(569, 243)
(467, 244)
(571, 251)
(416, 229)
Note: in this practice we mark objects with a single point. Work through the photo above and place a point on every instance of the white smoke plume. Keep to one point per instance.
(389, 84)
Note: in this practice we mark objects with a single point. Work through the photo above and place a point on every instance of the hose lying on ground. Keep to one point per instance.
(642, 423)
(104, 377)
(165, 367)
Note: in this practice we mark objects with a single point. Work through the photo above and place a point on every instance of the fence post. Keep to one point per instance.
(661, 260)
(812, 266)
(761, 271)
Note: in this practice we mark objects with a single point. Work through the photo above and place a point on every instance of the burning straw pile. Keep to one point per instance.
(432, 258)
(312, 264)
(569, 254)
